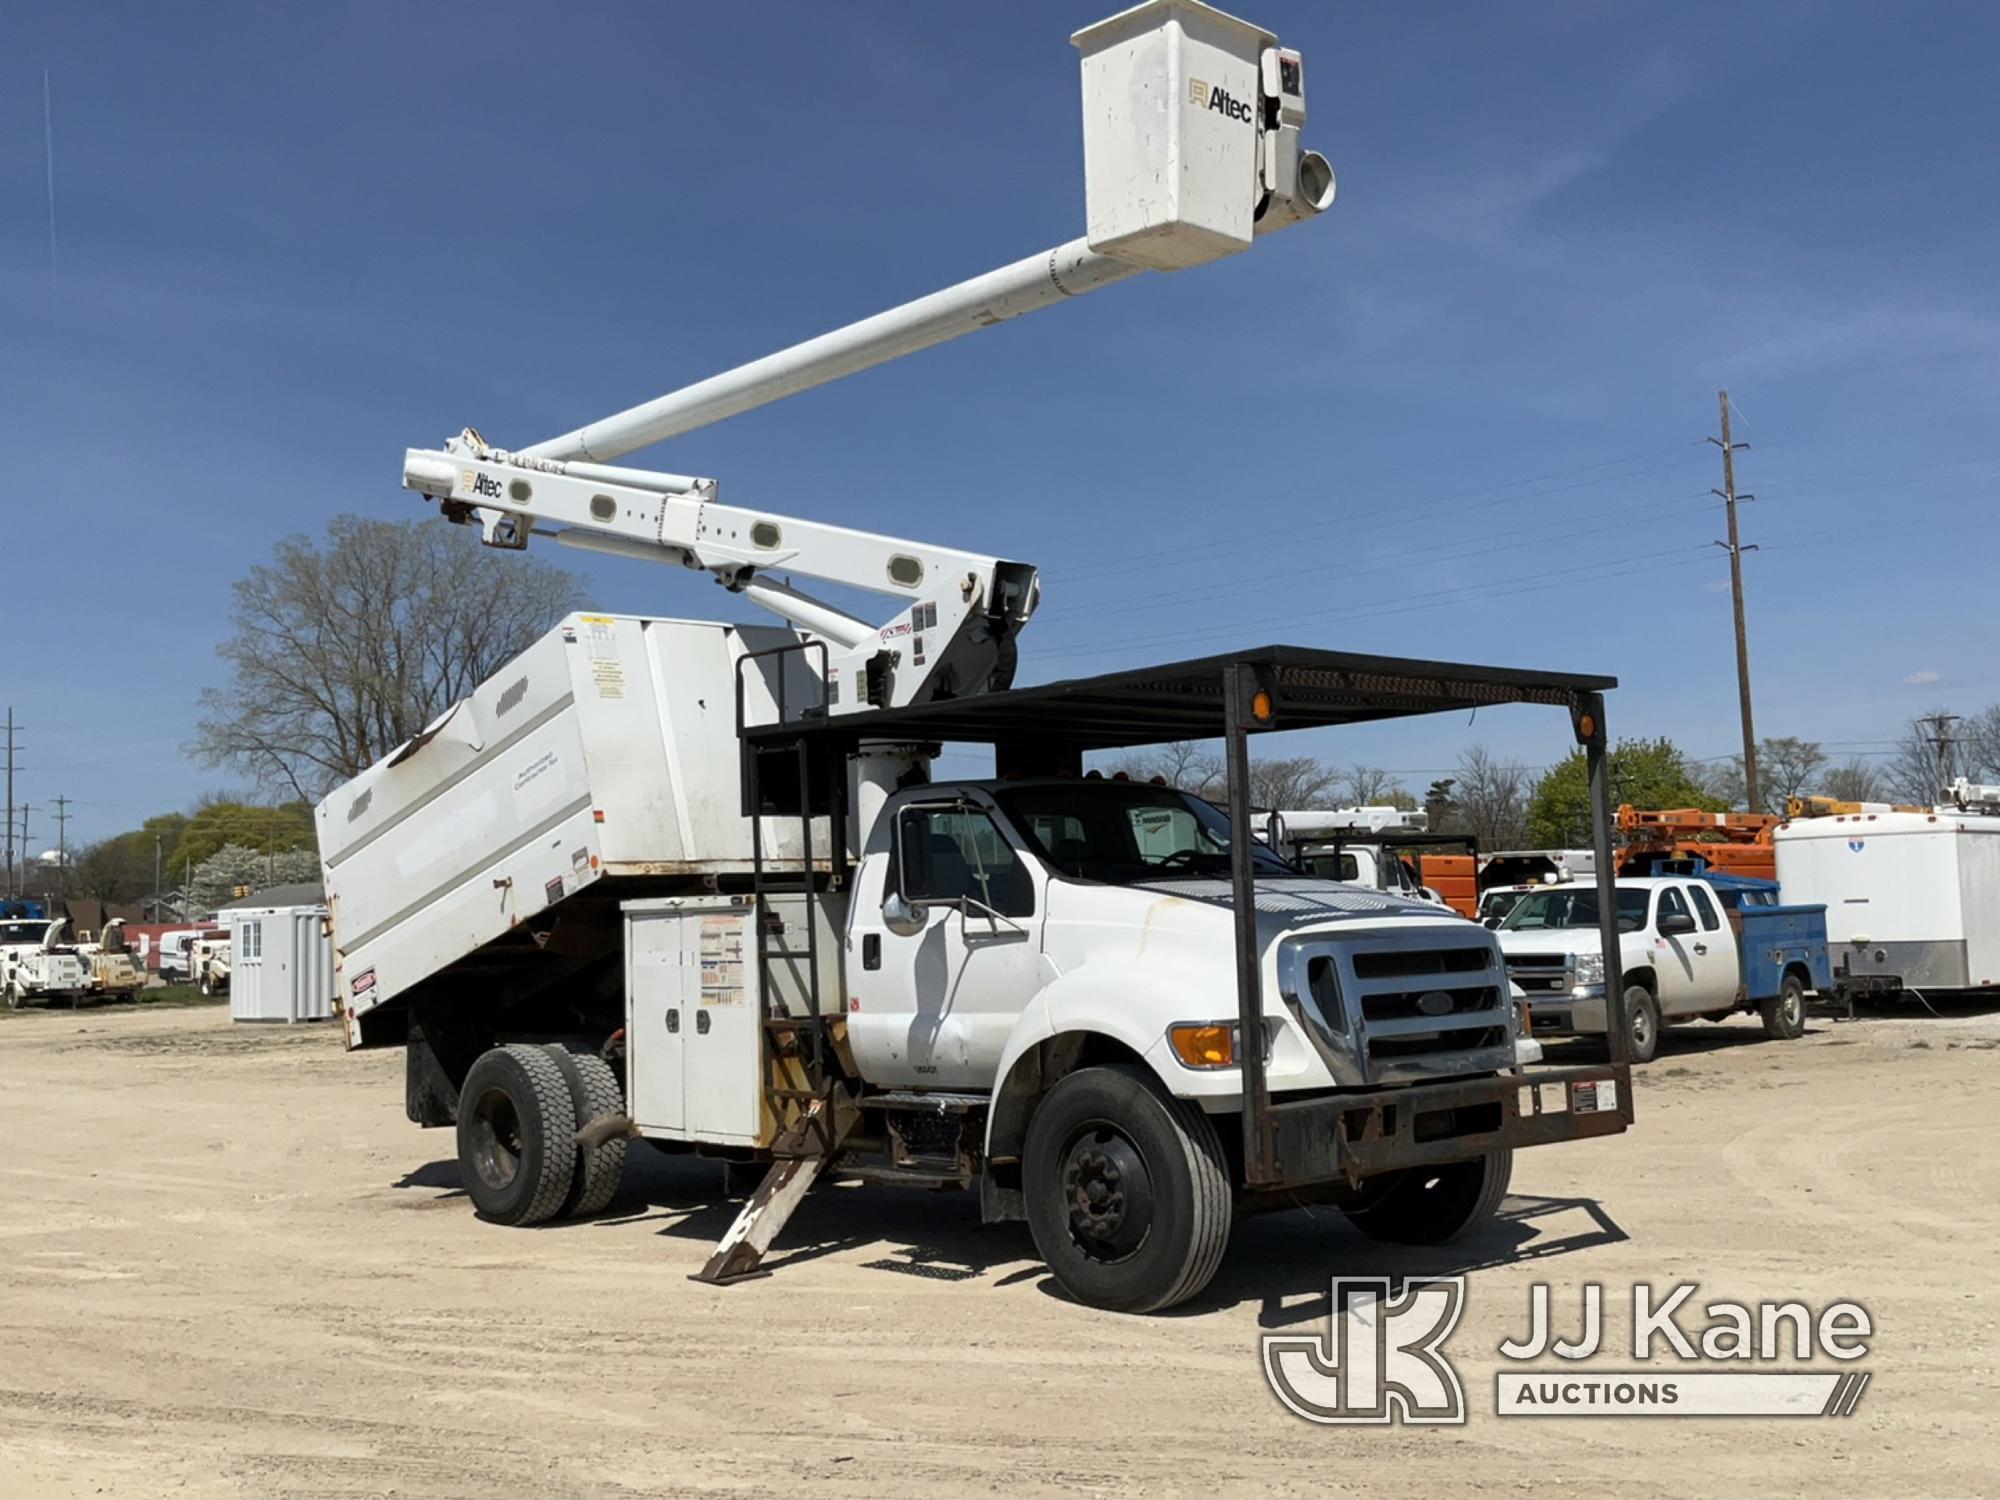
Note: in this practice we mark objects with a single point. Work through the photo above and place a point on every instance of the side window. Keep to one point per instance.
(1671, 904)
(1704, 908)
(953, 854)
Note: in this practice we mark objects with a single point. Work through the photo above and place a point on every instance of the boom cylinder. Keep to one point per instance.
(1037, 281)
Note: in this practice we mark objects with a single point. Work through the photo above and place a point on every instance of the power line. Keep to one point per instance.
(1387, 515)
(1646, 562)
(1455, 550)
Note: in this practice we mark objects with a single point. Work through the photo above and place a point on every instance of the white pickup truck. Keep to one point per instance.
(1684, 957)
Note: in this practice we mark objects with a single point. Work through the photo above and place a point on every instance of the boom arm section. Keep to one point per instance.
(952, 638)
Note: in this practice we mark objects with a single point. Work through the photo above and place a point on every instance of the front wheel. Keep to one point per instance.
(1642, 1022)
(1431, 1205)
(1785, 1012)
(1128, 1198)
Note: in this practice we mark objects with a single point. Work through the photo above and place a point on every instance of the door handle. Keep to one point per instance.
(701, 1022)
(1701, 947)
(673, 1020)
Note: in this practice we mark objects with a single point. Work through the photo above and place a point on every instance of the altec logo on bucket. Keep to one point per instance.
(1382, 1358)
(1219, 99)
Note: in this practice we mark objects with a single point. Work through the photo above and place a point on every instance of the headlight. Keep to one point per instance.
(1589, 968)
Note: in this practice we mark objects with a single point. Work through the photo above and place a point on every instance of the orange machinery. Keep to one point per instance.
(1731, 843)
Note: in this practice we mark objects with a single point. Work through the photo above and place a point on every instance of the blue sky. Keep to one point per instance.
(1461, 415)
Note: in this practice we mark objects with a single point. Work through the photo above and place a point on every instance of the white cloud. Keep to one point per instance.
(1922, 679)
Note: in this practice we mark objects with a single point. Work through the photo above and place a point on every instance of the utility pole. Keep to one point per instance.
(62, 842)
(1941, 738)
(10, 800)
(156, 877)
(1735, 548)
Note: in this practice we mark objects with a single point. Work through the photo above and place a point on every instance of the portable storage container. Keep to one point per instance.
(280, 965)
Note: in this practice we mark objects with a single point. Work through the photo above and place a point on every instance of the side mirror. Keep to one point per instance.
(902, 916)
(1493, 922)
(1676, 924)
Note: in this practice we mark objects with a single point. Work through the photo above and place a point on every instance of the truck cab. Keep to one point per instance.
(989, 917)
(1682, 957)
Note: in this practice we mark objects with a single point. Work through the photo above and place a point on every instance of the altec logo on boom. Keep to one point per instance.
(1218, 99)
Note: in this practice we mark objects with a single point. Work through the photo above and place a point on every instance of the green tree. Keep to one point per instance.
(1645, 773)
(266, 829)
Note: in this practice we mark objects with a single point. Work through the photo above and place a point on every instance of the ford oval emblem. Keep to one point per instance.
(1434, 1003)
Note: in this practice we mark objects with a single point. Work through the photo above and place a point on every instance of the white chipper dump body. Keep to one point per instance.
(601, 762)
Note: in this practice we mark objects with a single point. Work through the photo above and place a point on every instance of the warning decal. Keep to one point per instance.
(722, 960)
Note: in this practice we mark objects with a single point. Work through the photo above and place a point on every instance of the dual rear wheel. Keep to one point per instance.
(518, 1114)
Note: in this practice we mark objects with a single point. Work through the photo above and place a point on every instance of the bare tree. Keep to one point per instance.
(1489, 799)
(1853, 781)
(1787, 767)
(1371, 787)
(343, 651)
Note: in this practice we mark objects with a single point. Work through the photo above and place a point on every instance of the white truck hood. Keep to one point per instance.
(1283, 904)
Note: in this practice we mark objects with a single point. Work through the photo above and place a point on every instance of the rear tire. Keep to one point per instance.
(1128, 1198)
(1433, 1205)
(1785, 1012)
(594, 1094)
(516, 1135)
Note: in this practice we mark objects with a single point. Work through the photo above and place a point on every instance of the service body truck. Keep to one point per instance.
(1687, 952)
(693, 883)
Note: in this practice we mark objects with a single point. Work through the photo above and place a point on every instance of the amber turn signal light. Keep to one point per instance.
(1200, 1045)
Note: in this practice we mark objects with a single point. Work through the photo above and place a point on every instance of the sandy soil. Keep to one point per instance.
(228, 1266)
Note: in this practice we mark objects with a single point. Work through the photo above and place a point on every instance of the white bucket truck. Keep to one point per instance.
(693, 883)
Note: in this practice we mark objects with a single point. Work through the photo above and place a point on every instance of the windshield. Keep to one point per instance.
(22, 932)
(1121, 832)
(1574, 907)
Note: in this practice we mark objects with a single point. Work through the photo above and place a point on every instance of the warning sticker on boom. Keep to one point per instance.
(722, 960)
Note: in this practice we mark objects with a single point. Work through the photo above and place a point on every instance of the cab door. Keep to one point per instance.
(1696, 968)
(932, 1006)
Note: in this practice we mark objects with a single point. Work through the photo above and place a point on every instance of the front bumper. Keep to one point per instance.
(1349, 1137)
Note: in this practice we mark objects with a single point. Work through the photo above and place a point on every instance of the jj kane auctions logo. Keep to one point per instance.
(1382, 1358)
(1217, 98)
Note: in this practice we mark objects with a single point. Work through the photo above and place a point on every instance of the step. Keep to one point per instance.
(938, 1102)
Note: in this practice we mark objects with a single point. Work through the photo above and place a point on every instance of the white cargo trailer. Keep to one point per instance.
(281, 964)
(1912, 898)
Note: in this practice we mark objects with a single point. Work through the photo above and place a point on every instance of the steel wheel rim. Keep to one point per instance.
(496, 1140)
(1107, 1192)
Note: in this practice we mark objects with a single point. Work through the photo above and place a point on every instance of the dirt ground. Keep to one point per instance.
(229, 1266)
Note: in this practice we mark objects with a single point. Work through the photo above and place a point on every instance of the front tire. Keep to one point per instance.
(1785, 1012)
(1433, 1205)
(1128, 1197)
(516, 1135)
(1642, 1022)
